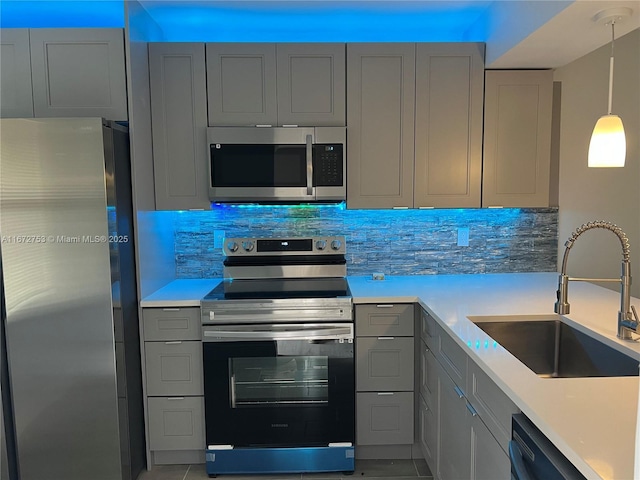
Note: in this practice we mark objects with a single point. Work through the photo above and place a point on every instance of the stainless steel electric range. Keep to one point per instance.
(278, 359)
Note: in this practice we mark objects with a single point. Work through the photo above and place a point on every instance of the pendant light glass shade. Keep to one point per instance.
(608, 147)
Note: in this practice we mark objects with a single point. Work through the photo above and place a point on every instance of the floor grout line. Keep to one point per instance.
(186, 473)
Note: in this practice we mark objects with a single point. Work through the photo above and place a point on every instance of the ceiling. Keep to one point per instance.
(518, 33)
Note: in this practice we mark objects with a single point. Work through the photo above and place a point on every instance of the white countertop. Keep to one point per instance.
(591, 420)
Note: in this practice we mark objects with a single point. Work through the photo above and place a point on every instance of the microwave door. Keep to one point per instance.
(261, 172)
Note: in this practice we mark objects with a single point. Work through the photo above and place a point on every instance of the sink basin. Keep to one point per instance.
(553, 349)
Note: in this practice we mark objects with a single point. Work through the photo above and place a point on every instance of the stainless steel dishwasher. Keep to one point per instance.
(534, 457)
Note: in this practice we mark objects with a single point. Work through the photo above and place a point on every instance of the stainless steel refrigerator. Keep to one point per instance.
(70, 352)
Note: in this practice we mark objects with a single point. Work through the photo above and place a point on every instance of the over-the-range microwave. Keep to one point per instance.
(277, 164)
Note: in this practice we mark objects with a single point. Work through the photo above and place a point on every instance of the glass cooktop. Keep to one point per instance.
(279, 288)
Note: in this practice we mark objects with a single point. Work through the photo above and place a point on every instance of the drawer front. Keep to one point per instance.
(452, 357)
(384, 364)
(428, 374)
(428, 329)
(384, 418)
(171, 324)
(174, 368)
(176, 423)
(491, 403)
(384, 319)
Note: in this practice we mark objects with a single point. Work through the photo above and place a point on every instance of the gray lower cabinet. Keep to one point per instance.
(176, 423)
(453, 427)
(384, 418)
(63, 72)
(464, 419)
(177, 81)
(174, 385)
(276, 84)
(385, 379)
(517, 138)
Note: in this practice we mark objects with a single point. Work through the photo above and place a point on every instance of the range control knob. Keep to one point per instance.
(321, 244)
(247, 245)
(336, 244)
(232, 246)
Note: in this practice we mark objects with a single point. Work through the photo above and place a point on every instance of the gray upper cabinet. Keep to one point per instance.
(448, 131)
(380, 119)
(78, 72)
(276, 84)
(241, 84)
(517, 138)
(179, 119)
(311, 84)
(16, 98)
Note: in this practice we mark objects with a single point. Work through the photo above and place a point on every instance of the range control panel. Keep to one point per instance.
(284, 246)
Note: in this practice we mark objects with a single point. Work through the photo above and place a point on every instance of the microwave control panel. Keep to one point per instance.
(328, 165)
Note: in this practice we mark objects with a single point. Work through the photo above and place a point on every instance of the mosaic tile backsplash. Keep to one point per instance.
(394, 242)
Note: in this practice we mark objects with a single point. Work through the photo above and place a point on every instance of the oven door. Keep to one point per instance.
(279, 385)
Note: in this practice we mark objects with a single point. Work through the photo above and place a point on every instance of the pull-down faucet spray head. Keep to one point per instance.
(627, 317)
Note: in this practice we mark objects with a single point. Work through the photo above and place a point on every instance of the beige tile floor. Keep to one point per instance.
(378, 469)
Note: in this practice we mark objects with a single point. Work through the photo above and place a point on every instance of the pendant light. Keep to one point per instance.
(608, 144)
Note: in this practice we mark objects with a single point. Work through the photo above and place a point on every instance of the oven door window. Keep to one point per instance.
(279, 392)
(236, 165)
(279, 381)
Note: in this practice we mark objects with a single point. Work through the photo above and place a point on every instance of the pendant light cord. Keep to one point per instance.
(613, 23)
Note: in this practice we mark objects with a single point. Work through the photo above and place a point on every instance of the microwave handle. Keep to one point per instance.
(309, 165)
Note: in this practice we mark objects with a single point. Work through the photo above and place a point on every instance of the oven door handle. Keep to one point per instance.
(302, 332)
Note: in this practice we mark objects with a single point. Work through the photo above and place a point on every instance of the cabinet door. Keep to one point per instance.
(78, 72)
(380, 116)
(16, 99)
(517, 138)
(454, 439)
(311, 84)
(384, 364)
(241, 84)
(488, 460)
(449, 103)
(179, 125)
(427, 432)
(428, 374)
(384, 418)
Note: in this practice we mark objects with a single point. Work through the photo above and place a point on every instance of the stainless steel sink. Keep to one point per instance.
(553, 349)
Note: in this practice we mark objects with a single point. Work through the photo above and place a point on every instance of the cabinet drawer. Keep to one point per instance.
(176, 423)
(491, 403)
(174, 368)
(428, 331)
(384, 364)
(384, 418)
(171, 324)
(452, 357)
(384, 319)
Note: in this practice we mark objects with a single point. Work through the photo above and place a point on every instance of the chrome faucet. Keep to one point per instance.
(627, 316)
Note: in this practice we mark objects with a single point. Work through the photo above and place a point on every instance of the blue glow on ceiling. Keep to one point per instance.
(318, 21)
(61, 14)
